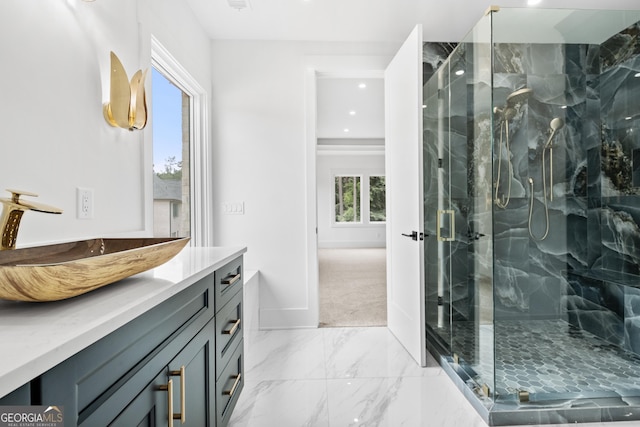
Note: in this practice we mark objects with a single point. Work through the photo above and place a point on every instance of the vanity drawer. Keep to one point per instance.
(229, 386)
(228, 281)
(228, 331)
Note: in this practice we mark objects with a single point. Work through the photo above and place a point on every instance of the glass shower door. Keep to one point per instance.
(457, 153)
(435, 145)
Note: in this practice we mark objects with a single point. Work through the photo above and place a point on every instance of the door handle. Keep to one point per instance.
(415, 235)
(452, 225)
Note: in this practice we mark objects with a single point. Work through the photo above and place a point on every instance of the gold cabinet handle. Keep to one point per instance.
(452, 225)
(230, 280)
(233, 387)
(233, 328)
(169, 389)
(183, 399)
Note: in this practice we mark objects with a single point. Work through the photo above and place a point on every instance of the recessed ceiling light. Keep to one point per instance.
(362, 85)
(346, 130)
(533, 2)
(352, 113)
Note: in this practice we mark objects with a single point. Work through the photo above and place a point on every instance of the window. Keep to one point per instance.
(348, 199)
(377, 199)
(359, 199)
(195, 167)
(171, 153)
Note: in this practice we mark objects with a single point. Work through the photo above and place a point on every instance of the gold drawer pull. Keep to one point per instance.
(233, 328)
(233, 388)
(230, 280)
(169, 389)
(182, 416)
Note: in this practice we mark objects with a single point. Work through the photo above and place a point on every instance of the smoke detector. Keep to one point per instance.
(239, 4)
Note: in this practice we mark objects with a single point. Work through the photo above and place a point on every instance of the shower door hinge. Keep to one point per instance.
(486, 390)
(440, 163)
(523, 396)
(440, 300)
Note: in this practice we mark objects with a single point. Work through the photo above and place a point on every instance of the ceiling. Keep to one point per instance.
(346, 109)
(388, 21)
(361, 20)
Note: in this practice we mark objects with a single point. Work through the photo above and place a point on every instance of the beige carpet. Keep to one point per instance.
(353, 287)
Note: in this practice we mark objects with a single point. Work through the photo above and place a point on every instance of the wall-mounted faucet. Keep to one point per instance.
(12, 211)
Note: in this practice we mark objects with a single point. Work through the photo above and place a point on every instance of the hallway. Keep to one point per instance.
(353, 287)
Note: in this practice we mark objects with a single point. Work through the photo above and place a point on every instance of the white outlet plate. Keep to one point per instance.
(84, 202)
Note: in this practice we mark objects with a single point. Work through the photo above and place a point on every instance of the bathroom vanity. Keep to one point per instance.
(159, 347)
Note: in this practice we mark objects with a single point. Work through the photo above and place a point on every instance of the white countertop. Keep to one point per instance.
(35, 337)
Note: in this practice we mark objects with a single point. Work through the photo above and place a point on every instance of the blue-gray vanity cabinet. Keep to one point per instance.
(20, 396)
(122, 379)
(189, 369)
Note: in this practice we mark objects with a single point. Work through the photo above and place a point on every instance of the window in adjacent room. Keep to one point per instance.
(377, 199)
(348, 199)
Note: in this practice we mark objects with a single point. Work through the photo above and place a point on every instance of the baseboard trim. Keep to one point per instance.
(288, 318)
(346, 245)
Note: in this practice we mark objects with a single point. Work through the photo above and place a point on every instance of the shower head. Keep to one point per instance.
(556, 124)
(516, 97)
(519, 96)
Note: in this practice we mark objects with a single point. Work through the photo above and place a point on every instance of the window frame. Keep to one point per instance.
(333, 217)
(381, 175)
(365, 193)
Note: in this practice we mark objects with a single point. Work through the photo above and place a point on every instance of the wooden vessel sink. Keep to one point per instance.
(64, 270)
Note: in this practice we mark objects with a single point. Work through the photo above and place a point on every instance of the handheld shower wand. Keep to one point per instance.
(555, 125)
(507, 113)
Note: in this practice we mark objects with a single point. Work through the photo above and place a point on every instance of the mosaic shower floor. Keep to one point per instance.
(549, 359)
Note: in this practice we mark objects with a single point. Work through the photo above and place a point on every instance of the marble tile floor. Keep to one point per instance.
(338, 377)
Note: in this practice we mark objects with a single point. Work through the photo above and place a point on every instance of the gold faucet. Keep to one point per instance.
(12, 214)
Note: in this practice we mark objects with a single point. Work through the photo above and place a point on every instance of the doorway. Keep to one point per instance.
(351, 202)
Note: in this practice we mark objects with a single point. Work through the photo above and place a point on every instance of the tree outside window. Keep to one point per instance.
(377, 199)
(353, 194)
(347, 199)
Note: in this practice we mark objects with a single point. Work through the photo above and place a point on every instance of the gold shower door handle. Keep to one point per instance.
(452, 225)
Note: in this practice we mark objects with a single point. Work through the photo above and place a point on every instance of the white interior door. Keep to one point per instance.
(405, 212)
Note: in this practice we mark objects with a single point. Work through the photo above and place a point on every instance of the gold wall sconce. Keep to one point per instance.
(127, 106)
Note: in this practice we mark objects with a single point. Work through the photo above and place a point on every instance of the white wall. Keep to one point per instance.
(53, 80)
(260, 158)
(331, 235)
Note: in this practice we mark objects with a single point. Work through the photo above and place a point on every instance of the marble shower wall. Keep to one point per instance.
(588, 269)
(530, 274)
(605, 298)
